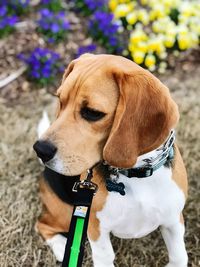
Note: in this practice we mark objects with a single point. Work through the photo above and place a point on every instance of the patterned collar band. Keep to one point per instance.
(147, 166)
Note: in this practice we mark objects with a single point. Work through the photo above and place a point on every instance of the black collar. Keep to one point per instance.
(148, 170)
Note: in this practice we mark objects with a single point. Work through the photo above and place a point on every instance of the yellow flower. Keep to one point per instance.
(137, 36)
(153, 15)
(131, 47)
(146, 44)
(142, 46)
(124, 1)
(131, 18)
(144, 2)
(158, 12)
(171, 3)
(169, 40)
(143, 16)
(150, 62)
(160, 49)
(153, 44)
(183, 41)
(187, 9)
(113, 4)
(163, 25)
(183, 19)
(157, 27)
(138, 57)
(132, 5)
(122, 10)
(182, 29)
(194, 39)
(194, 24)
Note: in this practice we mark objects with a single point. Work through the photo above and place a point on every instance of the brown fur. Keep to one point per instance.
(139, 116)
(52, 220)
(179, 174)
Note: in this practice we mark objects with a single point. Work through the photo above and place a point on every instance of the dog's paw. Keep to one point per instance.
(57, 244)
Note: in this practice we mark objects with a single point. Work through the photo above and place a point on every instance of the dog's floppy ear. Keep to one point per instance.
(68, 70)
(144, 117)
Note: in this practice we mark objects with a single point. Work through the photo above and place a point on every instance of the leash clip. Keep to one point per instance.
(86, 183)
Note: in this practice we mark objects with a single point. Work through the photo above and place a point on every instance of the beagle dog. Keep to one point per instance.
(112, 110)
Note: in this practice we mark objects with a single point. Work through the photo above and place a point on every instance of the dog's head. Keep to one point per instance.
(109, 109)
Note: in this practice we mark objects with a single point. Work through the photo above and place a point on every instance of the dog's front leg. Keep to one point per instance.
(174, 239)
(102, 251)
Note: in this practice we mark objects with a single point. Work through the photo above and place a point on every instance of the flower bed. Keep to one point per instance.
(147, 32)
(158, 28)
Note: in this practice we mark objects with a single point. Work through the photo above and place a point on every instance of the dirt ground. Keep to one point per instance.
(21, 246)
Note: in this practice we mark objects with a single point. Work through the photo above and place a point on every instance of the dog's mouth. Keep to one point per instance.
(56, 166)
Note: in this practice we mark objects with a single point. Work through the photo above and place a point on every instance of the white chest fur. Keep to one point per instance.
(148, 203)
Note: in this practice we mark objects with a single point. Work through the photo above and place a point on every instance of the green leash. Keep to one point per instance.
(75, 249)
(77, 234)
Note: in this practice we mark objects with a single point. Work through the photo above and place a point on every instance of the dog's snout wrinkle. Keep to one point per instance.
(44, 150)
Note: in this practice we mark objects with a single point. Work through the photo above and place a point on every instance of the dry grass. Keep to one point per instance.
(19, 171)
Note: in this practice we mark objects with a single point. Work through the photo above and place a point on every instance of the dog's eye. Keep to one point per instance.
(91, 114)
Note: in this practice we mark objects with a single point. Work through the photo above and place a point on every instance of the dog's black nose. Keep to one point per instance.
(44, 150)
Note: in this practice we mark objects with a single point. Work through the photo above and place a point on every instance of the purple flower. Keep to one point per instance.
(43, 65)
(7, 20)
(35, 74)
(104, 29)
(87, 7)
(3, 11)
(45, 1)
(11, 21)
(55, 28)
(53, 25)
(66, 25)
(95, 4)
(85, 49)
(45, 12)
